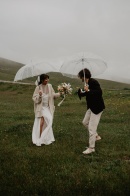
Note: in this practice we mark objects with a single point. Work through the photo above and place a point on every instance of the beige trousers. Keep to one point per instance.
(91, 122)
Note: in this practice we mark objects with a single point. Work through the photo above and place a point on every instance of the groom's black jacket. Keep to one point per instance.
(93, 97)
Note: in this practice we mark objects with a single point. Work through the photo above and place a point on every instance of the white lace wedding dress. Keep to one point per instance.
(47, 136)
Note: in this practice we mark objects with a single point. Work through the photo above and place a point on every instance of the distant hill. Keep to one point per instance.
(8, 69)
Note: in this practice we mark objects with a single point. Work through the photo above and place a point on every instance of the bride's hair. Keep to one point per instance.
(42, 78)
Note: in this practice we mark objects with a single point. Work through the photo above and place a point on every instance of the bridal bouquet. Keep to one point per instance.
(64, 89)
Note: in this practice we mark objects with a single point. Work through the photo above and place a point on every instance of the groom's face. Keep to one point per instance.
(82, 79)
(85, 79)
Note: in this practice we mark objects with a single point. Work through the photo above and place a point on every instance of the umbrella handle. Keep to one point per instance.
(84, 78)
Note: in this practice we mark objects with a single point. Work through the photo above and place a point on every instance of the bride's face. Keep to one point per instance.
(44, 82)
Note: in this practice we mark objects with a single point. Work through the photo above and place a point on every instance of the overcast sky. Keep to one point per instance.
(58, 28)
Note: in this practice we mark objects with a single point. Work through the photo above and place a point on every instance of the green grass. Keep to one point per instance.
(61, 168)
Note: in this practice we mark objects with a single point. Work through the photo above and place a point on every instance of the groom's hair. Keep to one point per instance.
(85, 72)
(42, 78)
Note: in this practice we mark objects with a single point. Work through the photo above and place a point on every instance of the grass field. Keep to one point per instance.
(61, 168)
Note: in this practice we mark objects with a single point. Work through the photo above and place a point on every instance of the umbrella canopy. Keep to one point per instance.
(35, 69)
(72, 65)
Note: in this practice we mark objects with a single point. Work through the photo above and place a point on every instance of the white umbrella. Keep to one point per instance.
(35, 69)
(72, 65)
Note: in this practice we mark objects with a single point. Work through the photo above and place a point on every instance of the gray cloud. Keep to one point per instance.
(57, 28)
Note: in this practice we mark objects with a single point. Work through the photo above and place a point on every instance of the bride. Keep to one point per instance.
(43, 98)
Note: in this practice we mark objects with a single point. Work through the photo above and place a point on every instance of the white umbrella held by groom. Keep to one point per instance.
(73, 64)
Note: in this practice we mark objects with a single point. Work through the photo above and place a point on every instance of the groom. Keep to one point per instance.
(95, 105)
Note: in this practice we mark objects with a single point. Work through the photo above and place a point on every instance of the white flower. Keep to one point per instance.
(64, 88)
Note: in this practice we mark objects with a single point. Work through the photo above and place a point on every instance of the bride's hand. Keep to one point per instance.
(40, 93)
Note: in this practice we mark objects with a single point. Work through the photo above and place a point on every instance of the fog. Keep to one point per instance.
(54, 29)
